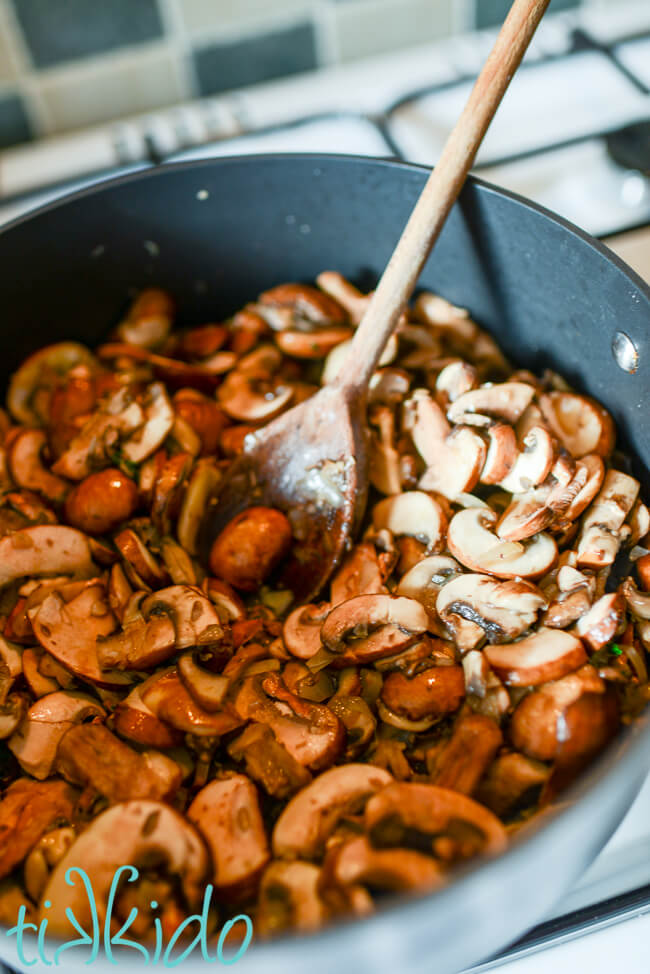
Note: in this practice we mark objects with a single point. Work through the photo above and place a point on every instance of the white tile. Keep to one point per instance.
(364, 28)
(111, 88)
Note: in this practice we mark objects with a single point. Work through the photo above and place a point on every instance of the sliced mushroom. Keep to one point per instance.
(158, 421)
(301, 631)
(36, 741)
(475, 607)
(289, 899)
(370, 627)
(148, 321)
(404, 809)
(547, 654)
(135, 721)
(600, 625)
(454, 460)
(399, 870)
(600, 537)
(47, 549)
(42, 370)
(195, 618)
(254, 398)
(167, 697)
(638, 602)
(425, 580)
(27, 468)
(502, 453)
(268, 762)
(69, 631)
(384, 470)
(506, 401)
(462, 762)
(594, 469)
(360, 574)
(140, 564)
(95, 758)
(28, 810)
(140, 644)
(227, 814)
(472, 541)
(512, 781)
(454, 380)
(580, 423)
(533, 463)
(412, 513)
(201, 487)
(310, 732)
(432, 692)
(311, 816)
(137, 833)
(42, 859)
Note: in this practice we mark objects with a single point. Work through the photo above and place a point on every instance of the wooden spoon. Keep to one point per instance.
(311, 462)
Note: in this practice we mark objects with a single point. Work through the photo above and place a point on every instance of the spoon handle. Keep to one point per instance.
(438, 196)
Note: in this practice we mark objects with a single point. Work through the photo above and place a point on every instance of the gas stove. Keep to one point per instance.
(573, 134)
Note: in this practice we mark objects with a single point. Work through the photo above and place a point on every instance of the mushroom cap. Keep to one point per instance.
(128, 833)
(311, 816)
(35, 742)
(46, 549)
(301, 630)
(547, 654)
(413, 513)
(472, 541)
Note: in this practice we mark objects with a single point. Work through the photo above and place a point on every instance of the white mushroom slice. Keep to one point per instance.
(47, 549)
(502, 453)
(455, 380)
(252, 397)
(638, 602)
(344, 293)
(227, 814)
(579, 423)
(454, 460)
(600, 625)
(403, 870)
(159, 419)
(638, 523)
(384, 470)
(27, 468)
(55, 360)
(528, 514)
(130, 833)
(547, 654)
(202, 485)
(425, 580)
(69, 631)
(533, 464)
(36, 741)
(311, 816)
(389, 386)
(499, 610)
(472, 541)
(412, 513)
(118, 417)
(452, 321)
(505, 400)
(11, 657)
(370, 627)
(600, 537)
(301, 631)
(195, 618)
(289, 899)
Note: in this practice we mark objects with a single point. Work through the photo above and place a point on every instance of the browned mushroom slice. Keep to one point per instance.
(13, 709)
(168, 698)
(337, 356)
(304, 307)
(591, 469)
(454, 460)
(42, 370)
(600, 537)
(360, 574)
(27, 468)
(301, 631)
(389, 386)
(140, 644)
(148, 321)
(471, 539)
(603, 621)
(547, 654)
(312, 344)
(399, 870)
(311, 733)
(69, 631)
(27, 811)
(580, 423)
(506, 401)
(638, 602)
(168, 490)
(158, 421)
(268, 762)
(357, 718)
(93, 757)
(433, 692)
(171, 371)
(512, 781)
(202, 485)
(227, 814)
(475, 607)
(567, 608)
(134, 720)
(502, 453)
(137, 833)
(526, 515)
(39, 684)
(289, 899)
(540, 721)
(454, 380)
(195, 618)
(384, 471)
(451, 821)
(311, 816)
(462, 762)
(425, 580)
(412, 513)
(533, 464)
(370, 627)
(36, 741)
(139, 559)
(47, 549)
(252, 398)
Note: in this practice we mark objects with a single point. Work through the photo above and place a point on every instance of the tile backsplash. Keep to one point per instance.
(69, 63)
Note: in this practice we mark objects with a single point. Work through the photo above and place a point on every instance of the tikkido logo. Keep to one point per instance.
(162, 954)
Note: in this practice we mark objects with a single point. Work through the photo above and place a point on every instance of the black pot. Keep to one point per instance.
(215, 233)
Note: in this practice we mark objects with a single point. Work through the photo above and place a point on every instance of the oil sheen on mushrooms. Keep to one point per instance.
(177, 710)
